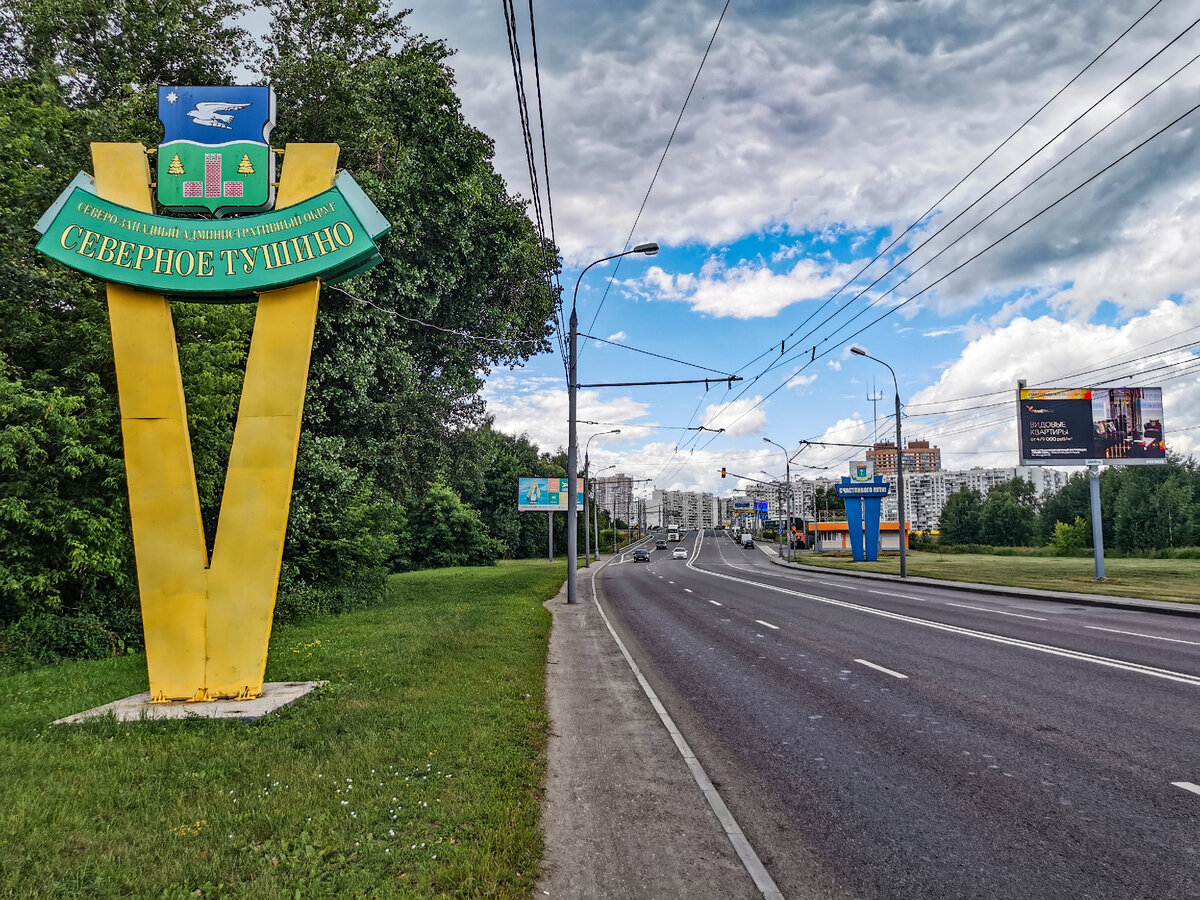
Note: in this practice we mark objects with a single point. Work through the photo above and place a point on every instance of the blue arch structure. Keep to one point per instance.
(863, 500)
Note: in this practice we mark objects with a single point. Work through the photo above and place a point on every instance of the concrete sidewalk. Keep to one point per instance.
(623, 816)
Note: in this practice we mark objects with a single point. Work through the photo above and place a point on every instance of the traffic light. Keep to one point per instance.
(722, 471)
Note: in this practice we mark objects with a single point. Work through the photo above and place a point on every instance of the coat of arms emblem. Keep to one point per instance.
(214, 155)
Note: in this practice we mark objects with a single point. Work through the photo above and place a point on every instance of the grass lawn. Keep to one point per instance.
(417, 772)
(1176, 580)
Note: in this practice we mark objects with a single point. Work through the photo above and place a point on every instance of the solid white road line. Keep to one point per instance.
(733, 831)
(998, 612)
(1136, 668)
(1187, 786)
(1153, 637)
(766, 624)
(871, 665)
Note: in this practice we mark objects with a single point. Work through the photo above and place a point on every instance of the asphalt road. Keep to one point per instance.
(892, 740)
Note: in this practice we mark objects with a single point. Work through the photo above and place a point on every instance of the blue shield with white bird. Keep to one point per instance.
(214, 155)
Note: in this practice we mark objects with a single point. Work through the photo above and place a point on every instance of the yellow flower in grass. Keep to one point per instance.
(189, 830)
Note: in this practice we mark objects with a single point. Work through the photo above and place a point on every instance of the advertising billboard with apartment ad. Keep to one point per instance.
(1078, 426)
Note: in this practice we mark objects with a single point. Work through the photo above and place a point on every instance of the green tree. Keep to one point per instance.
(484, 469)
(64, 546)
(1070, 502)
(444, 532)
(1153, 507)
(1008, 516)
(829, 504)
(73, 72)
(400, 353)
(959, 523)
(1069, 538)
(101, 51)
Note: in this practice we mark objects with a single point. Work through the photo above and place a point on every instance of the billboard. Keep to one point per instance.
(546, 494)
(1065, 426)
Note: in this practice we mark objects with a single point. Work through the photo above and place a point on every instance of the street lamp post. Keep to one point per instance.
(596, 512)
(859, 351)
(572, 441)
(587, 545)
(788, 481)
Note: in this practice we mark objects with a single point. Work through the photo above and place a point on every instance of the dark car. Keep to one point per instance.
(641, 555)
(660, 544)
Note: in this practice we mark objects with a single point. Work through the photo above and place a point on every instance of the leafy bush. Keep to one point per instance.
(923, 540)
(44, 639)
(442, 531)
(1067, 540)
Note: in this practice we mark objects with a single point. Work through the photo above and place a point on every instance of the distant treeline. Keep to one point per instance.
(1143, 509)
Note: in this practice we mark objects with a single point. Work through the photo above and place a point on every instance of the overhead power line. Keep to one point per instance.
(592, 337)
(661, 159)
(777, 361)
(457, 332)
(545, 241)
(933, 206)
(876, 301)
(972, 258)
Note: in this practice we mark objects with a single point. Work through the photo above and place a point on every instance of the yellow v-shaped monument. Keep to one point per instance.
(208, 621)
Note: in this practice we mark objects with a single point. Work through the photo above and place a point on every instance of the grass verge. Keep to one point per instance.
(1176, 580)
(417, 772)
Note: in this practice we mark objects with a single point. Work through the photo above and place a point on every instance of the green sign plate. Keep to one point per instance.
(215, 259)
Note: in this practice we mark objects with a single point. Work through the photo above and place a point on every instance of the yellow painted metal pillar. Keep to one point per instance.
(168, 535)
(248, 552)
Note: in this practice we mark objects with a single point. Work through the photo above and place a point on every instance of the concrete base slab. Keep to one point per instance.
(139, 707)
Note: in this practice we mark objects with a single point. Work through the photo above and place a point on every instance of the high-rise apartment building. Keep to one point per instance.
(615, 493)
(687, 509)
(918, 457)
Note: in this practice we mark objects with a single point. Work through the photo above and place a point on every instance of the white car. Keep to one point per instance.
(679, 553)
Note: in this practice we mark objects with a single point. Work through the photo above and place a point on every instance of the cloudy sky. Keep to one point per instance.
(808, 202)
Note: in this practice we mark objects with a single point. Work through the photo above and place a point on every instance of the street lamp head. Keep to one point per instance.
(858, 351)
(650, 249)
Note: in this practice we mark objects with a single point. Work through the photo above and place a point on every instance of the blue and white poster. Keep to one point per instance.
(546, 494)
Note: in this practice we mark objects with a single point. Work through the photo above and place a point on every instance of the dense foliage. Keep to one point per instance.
(392, 404)
(1143, 509)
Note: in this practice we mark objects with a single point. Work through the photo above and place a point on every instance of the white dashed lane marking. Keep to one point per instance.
(871, 665)
(1153, 637)
(767, 624)
(901, 596)
(998, 612)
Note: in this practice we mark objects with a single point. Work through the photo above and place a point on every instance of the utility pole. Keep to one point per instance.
(874, 398)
